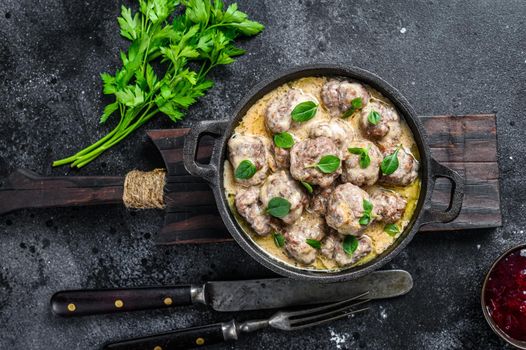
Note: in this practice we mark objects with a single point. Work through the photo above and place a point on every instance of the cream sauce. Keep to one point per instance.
(253, 123)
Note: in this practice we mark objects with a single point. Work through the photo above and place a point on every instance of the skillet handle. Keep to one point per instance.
(214, 128)
(457, 195)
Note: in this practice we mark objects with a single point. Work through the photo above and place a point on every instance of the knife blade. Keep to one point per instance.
(230, 296)
(283, 292)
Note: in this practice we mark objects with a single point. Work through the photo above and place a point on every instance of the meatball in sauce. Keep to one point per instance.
(304, 157)
(301, 209)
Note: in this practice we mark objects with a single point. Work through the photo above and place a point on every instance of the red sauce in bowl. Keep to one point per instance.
(505, 294)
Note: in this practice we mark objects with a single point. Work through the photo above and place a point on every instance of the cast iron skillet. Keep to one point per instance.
(430, 170)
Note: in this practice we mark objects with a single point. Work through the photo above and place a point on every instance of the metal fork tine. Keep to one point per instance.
(329, 313)
(328, 319)
(324, 307)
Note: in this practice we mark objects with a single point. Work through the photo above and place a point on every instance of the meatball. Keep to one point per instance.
(332, 248)
(353, 171)
(338, 130)
(345, 208)
(389, 119)
(337, 95)
(388, 206)
(296, 235)
(249, 207)
(282, 155)
(254, 149)
(407, 170)
(306, 154)
(281, 184)
(278, 114)
(319, 199)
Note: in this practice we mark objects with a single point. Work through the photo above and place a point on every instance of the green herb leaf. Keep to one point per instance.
(367, 213)
(391, 229)
(374, 117)
(245, 170)
(279, 239)
(390, 163)
(304, 111)
(314, 243)
(365, 160)
(186, 39)
(356, 104)
(278, 207)
(364, 220)
(327, 164)
(350, 244)
(308, 186)
(283, 140)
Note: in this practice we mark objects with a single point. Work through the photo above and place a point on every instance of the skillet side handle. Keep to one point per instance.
(457, 195)
(214, 128)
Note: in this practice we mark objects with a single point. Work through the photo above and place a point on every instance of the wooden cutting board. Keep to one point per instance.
(467, 144)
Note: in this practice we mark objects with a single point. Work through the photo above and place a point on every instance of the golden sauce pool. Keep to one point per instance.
(254, 123)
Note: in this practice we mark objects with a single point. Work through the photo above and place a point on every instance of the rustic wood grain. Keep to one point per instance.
(26, 189)
(467, 144)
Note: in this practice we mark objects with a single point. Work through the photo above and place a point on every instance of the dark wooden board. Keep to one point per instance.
(467, 144)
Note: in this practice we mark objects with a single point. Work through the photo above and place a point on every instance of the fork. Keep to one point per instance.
(219, 332)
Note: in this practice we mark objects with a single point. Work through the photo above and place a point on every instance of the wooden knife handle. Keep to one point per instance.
(26, 189)
(72, 303)
(182, 339)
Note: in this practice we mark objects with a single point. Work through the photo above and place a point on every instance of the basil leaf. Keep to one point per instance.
(365, 160)
(328, 164)
(391, 229)
(279, 239)
(245, 170)
(350, 244)
(283, 140)
(374, 117)
(278, 207)
(390, 163)
(364, 220)
(367, 206)
(307, 186)
(356, 104)
(304, 111)
(367, 212)
(314, 243)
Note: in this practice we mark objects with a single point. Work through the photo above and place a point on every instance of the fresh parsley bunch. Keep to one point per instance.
(195, 42)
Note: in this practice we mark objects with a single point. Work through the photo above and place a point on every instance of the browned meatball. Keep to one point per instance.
(332, 248)
(338, 94)
(281, 184)
(282, 155)
(249, 207)
(306, 154)
(340, 131)
(254, 149)
(407, 170)
(388, 206)
(319, 199)
(345, 208)
(296, 235)
(352, 168)
(389, 119)
(278, 114)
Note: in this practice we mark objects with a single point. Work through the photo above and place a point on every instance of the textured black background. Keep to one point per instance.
(453, 57)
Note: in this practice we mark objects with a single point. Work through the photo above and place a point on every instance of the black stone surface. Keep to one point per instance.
(445, 56)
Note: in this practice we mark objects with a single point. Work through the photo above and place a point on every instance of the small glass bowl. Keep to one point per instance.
(520, 344)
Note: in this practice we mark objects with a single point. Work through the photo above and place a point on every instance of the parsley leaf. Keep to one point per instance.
(184, 40)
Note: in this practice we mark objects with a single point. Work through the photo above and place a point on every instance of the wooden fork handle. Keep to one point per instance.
(26, 189)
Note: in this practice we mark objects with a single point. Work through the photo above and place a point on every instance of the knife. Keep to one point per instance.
(230, 296)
